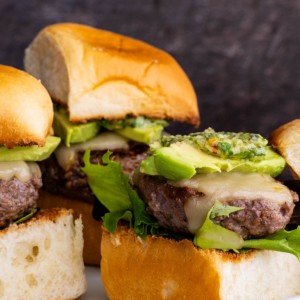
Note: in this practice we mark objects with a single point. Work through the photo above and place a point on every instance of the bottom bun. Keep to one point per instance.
(91, 227)
(161, 268)
(42, 258)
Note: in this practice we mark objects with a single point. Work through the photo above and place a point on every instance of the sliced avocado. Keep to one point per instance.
(30, 153)
(145, 135)
(171, 165)
(272, 164)
(73, 133)
(182, 160)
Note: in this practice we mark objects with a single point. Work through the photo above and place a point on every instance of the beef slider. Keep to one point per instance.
(121, 87)
(25, 122)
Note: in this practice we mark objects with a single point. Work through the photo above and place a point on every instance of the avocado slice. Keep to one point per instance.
(30, 153)
(146, 134)
(73, 133)
(272, 164)
(182, 160)
(140, 129)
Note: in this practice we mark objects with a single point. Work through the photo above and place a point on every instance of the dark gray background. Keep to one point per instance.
(243, 56)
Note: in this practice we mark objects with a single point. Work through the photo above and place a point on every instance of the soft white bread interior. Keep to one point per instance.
(91, 227)
(26, 112)
(286, 139)
(161, 268)
(42, 258)
(100, 74)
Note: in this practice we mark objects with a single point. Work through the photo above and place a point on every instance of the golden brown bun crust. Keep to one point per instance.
(26, 113)
(161, 268)
(286, 139)
(100, 74)
(91, 227)
(42, 216)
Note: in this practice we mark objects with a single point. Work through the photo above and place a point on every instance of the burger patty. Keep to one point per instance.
(165, 202)
(73, 182)
(260, 217)
(17, 198)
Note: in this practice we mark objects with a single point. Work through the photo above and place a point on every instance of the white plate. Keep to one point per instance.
(95, 289)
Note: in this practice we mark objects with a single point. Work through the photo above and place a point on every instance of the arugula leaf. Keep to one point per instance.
(220, 209)
(27, 217)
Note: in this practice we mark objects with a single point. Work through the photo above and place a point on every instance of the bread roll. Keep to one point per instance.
(162, 268)
(91, 227)
(26, 113)
(286, 139)
(99, 74)
(42, 258)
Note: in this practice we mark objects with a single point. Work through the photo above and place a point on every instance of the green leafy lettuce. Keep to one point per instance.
(112, 188)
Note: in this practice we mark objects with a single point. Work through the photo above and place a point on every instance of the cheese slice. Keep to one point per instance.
(20, 169)
(229, 186)
(104, 141)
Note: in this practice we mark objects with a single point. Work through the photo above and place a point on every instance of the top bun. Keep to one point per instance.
(100, 74)
(26, 112)
(286, 139)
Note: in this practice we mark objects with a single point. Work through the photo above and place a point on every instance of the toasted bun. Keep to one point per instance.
(286, 139)
(26, 112)
(42, 258)
(100, 74)
(91, 227)
(161, 268)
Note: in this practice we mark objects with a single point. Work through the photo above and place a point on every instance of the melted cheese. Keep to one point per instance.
(225, 187)
(104, 141)
(19, 169)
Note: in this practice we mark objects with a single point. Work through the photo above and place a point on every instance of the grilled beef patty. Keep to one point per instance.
(17, 198)
(73, 182)
(260, 217)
